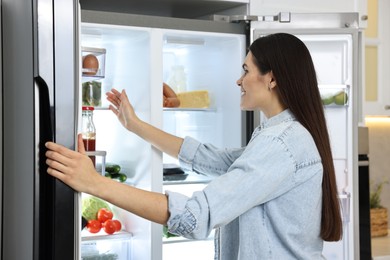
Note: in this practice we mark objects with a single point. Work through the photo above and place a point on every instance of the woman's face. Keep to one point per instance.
(255, 94)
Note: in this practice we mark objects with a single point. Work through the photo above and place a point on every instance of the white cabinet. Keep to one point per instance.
(309, 6)
(376, 97)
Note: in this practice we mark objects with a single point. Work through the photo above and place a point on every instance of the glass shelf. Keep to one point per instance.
(121, 235)
(191, 178)
(334, 95)
(178, 109)
(172, 240)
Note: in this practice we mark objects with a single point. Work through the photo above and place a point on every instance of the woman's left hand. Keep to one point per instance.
(73, 168)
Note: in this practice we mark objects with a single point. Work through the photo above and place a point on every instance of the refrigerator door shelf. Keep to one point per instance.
(93, 60)
(334, 95)
(101, 165)
(116, 246)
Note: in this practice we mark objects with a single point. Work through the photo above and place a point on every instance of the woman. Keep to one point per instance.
(273, 199)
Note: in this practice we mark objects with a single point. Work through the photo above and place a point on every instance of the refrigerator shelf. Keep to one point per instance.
(172, 240)
(191, 178)
(334, 95)
(121, 235)
(90, 78)
(178, 109)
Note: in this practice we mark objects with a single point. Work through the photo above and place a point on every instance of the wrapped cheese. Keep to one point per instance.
(194, 99)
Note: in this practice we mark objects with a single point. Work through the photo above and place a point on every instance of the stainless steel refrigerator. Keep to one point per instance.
(43, 42)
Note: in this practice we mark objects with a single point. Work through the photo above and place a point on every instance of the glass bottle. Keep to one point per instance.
(88, 130)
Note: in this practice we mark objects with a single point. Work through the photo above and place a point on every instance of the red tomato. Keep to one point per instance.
(94, 226)
(104, 214)
(109, 226)
(118, 225)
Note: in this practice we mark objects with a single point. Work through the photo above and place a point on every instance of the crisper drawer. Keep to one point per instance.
(112, 247)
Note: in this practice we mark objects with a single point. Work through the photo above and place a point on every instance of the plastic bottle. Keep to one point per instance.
(178, 79)
(88, 130)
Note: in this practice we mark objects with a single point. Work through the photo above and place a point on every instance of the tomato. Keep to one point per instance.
(94, 226)
(109, 226)
(118, 225)
(104, 214)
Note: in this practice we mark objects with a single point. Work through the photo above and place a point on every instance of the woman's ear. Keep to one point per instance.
(272, 82)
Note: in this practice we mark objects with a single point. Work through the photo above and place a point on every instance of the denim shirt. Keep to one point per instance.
(265, 202)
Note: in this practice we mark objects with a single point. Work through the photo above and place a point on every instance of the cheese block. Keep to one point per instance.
(194, 99)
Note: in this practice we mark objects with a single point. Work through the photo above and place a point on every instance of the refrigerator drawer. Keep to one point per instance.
(112, 247)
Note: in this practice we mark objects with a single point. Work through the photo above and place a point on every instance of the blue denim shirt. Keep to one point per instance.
(265, 202)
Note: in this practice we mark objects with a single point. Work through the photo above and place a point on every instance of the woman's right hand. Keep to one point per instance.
(121, 107)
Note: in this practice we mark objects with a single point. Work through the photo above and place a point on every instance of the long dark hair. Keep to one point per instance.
(291, 64)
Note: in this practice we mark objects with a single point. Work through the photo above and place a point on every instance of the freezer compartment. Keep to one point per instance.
(93, 63)
(115, 247)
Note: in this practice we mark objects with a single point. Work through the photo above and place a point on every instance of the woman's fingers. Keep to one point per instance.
(81, 147)
(114, 97)
(59, 153)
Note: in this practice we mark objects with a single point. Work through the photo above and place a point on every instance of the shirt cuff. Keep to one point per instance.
(187, 152)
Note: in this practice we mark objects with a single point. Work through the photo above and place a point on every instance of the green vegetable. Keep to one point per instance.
(108, 175)
(112, 168)
(341, 98)
(91, 206)
(119, 176)
(122, 177)
(167, 234)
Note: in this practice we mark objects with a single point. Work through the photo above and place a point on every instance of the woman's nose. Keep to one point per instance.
(239, 81)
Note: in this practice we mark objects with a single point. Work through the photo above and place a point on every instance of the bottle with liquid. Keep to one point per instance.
(88, 130)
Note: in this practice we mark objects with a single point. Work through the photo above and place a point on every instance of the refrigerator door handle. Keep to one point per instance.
(44, 183)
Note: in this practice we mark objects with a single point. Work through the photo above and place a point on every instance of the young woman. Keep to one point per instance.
(273, 199)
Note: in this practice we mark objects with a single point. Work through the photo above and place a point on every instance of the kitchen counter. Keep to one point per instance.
(381, 248)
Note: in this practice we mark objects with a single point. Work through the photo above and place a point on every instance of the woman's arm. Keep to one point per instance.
(76, 170)
(122, 108)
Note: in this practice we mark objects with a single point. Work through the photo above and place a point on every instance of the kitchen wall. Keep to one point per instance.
(379, 153)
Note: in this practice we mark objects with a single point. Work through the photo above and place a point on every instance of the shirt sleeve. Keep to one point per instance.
(205, 158)
(263, 171)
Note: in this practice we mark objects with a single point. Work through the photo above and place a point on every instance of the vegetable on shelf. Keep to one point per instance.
(104, 220)
(91, 205)
(94, 226)
(113, 171)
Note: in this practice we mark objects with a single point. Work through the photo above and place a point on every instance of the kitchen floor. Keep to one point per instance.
(381, 248)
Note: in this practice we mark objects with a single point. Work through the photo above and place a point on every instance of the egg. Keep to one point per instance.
(90, 65)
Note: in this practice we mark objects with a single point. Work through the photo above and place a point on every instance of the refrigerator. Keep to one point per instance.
(43, 42)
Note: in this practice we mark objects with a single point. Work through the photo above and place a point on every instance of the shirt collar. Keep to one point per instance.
(284, 116)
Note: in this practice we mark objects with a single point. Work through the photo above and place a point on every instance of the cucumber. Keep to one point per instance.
(119, 176)
(112, 168)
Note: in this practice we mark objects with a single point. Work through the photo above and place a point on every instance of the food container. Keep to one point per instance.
(92, 93)
(93, 62)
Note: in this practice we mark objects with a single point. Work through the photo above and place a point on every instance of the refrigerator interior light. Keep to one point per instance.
(182, 40)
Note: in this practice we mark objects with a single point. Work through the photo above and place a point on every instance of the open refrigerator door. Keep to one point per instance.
(333, 41)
